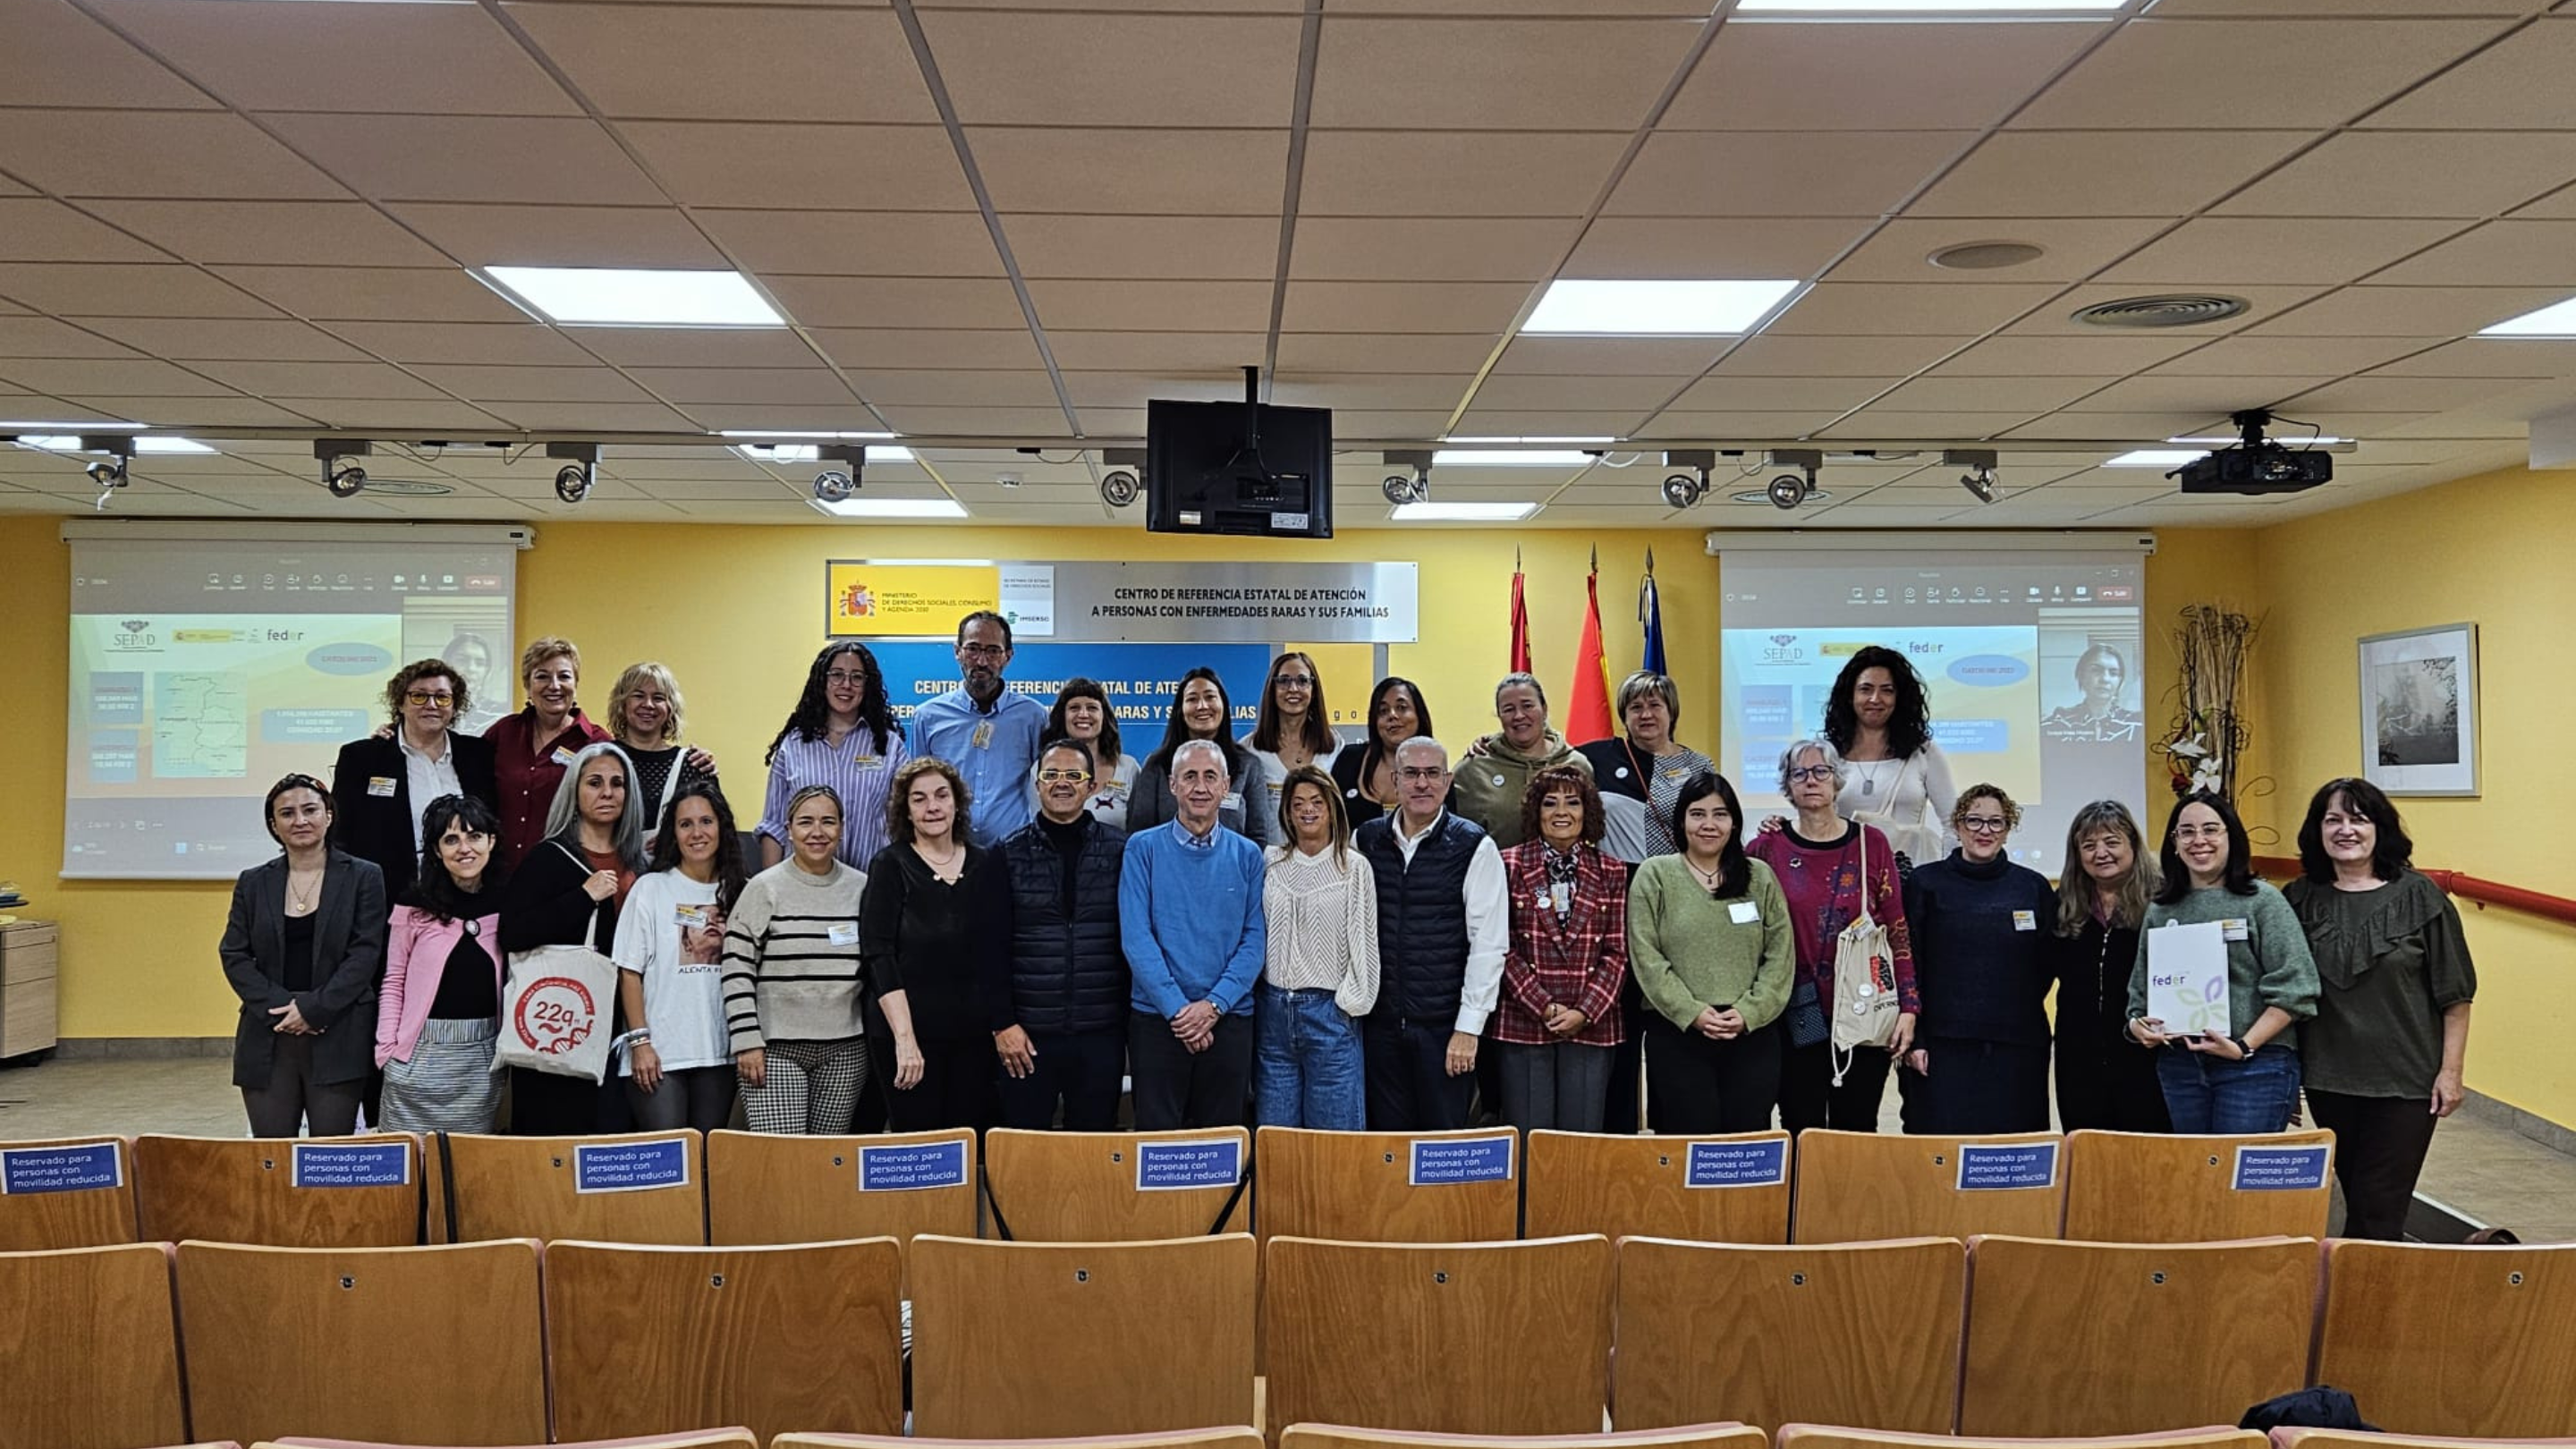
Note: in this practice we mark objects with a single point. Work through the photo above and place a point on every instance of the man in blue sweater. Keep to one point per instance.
(1189, 915)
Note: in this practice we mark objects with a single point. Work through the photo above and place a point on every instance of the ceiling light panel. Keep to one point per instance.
(1463, 512)
(1627, 308)
(1509, 458)
(893, 508)
(631, 297)
(2558, 320)
(2155, 458)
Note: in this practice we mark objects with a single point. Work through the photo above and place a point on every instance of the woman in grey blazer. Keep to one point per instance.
(302, 949)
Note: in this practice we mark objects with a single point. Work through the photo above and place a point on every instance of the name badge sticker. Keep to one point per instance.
(630, 1166)
(2236, 930)
(842, 933)
(563, 757)
(912, 1166)
(1743, 913)
(1450, 1161)
(690, 917)
(2025, 920)
(1181, 1166)
(2280, 1169)
(2006, 1167)
(381, 786)
(352, 1164)
(1233, 800)
(77, 1167)
(1738, 1164)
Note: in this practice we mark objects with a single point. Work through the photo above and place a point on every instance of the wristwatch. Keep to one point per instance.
(2244, 1046)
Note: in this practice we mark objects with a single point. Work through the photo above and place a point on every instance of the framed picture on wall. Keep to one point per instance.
(2419, 710)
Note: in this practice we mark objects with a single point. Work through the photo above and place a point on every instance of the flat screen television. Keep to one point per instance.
(1238, 468)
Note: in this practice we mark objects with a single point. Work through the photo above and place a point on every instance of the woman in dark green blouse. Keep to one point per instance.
(2384, 1053)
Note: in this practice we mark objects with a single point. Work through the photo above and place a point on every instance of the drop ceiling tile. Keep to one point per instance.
(178, 414)
(124, 290)
(45, 337)
(753, 347)
(1452, 249)
(1161, 306)
(2403, 394)
(1544, 422)
(472, 158)
(1938, 309)
(381, 415)
(2160, 72)
(2028, 395)
(140, 377)
(528, 235)
(605, 417)
(33, 229)
(2058, 317)
(1711, 247)
(320, 380)
(2413, 173)
(2507, 88)
(1133, 172)
(1104, 69)
(2158, 174)
(2409, 311)
(2261, 354)
(857, 243)
(782, 417)
(1522, 75)
(940, 302)
(1091, 390)
(1382, 351)
(792, 386)
(504, 386)
(2531, 357)
(918, 420)
(58, 56)
(1637, 396)
(80, 153)
(317, 233)
(1414, 394)
(1454, 173)
(930, 345)
(1485, 307)
(2220, 251)
(1829, 395)
(1421, 424)
(2559, 205)
(1026, 388)
(1677, 358)
(2116, 432)
(376, 294)
(519, 343)
(2500, 253)
(671, 62)
(2215, 396)
(1892, 77)
(1168, 248)
(2028, 356)
(1822, 173)
(1774, 354)
(2073, 250)
(279, 55)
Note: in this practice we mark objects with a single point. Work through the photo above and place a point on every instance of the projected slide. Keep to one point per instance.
(2029, 662)
(202, 672)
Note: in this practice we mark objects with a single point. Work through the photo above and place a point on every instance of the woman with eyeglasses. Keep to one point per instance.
(1294, 729)
(1979, 925)
(382, 784)
(1082, 713)
(302, 949)
(842, 735)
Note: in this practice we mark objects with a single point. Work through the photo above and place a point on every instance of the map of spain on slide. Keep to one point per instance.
(200, 727)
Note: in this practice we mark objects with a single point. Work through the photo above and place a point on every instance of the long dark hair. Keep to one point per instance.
(1373, 751)
(1734, 868)
(1908, 728)
(730, 876)
(2239, 874)
(433, 889)
(1104, 754)
(812, 717)
(1176, 731)
(2389, 858)
(1318, 731)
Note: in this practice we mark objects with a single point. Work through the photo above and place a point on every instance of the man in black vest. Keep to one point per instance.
(1060, 1001)
(1443, 925)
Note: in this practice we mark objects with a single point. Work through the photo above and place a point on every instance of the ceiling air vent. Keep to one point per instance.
(2182, 309)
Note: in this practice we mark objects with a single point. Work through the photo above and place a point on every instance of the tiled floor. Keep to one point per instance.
(2479, 1169)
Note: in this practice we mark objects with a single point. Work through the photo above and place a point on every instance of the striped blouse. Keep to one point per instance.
(860, 770)
(791, 957)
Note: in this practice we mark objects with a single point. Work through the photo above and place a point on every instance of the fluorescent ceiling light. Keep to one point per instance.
(2231, 440)
(1463, 512)
(1509, 458)
(1453, 438)
(1924, 7)
(894, 508)
(2555, 320)
(62, 427)
(71, 443)
(631, 297)
(812, 453)
(2156, 458)
(793, 433)
(1637, 308)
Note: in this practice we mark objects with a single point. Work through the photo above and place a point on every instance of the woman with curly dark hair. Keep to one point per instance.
(1895, 777)
(842, 734)
(935, 934)
(1568, 959)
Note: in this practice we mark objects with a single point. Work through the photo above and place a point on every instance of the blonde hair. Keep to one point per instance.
(634, 679)
(543, 648)
(2075, 887)
(1984, 791)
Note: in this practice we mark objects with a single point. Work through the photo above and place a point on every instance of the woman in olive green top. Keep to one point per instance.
(1710, 946)
(2385, 1052)
(2245, 1079)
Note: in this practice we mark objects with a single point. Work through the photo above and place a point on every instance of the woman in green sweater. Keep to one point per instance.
(2245, 1079)
(1710, 946)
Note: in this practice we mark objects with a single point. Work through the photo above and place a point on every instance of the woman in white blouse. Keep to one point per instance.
(1319, 899)
(1894, 776)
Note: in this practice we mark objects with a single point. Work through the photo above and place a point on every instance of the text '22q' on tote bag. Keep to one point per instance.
(554, 1015)
(1865, 1004)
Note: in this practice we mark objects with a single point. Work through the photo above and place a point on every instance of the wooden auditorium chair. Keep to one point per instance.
(2475, 1342)
(89, 1351)
(1859, 1187)
(766, 1188)
(1708, 1189)
(2139, 1187)
(330, 1192)
(63, 1214)
(483, 1188)
(1364, 1187)
(1083, 1187)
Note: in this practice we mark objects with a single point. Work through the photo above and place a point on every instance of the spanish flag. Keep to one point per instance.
(1587, 709)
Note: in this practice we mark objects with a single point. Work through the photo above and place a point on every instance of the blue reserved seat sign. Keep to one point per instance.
(2281, 1169)
(1738, 1164)
(78, 1167)
(1178, 1166)
(352, 1164)
(2006, 1166)
(630, 1166)
(1446, 1161)
(912, 1166)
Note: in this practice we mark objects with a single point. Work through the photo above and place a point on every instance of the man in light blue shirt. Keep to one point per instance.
(990, 734)
(1189, 915)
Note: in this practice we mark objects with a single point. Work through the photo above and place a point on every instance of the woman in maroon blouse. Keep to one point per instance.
(531, 748)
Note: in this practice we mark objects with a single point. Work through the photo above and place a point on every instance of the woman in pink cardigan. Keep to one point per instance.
(438, 1018)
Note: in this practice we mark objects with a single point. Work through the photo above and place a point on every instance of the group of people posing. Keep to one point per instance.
(1002, 917)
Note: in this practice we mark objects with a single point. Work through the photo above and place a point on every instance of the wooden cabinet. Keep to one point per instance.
(27, 970)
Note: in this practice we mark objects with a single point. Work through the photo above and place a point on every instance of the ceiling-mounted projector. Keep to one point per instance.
(2256, 464)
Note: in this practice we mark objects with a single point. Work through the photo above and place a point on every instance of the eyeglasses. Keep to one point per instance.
(1294, 681)
(1051, 777)
(846, 676)
(983, 651)
(424, 697)
(1983, 824)
(1812, 772)
(1421, 772)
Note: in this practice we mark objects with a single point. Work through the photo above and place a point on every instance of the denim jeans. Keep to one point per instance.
(2208, 1096)
(1306, 1068)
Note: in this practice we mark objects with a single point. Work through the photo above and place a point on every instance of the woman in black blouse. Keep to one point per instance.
(2104, 1079)
(936, 914)
(566, 893)
(302, 948)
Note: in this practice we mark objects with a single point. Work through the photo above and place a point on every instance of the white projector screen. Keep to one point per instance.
(2001, 640)
(203, 669)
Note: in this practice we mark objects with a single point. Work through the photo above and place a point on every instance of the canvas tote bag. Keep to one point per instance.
(1865, 1004)
(556, 1010)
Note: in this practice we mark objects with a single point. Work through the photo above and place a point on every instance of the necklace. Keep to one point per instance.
(299, 905)
(945, 869)
(1707, 878)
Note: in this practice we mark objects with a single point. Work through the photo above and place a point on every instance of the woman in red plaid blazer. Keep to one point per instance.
(1569, 954)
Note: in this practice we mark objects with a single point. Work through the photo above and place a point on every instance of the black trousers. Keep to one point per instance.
(545, 1105)
(1076, 1071)
(293, 1100)
(2109, 1084)
(1696, 1086)
(1620, 1116)
(1409, 1086)
(955, 1090)
(1809, 1098)
(1176, 1087)
(1977, 1087)
(2380, 1144)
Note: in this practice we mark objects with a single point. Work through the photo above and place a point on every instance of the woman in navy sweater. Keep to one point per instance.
(1981, 958)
